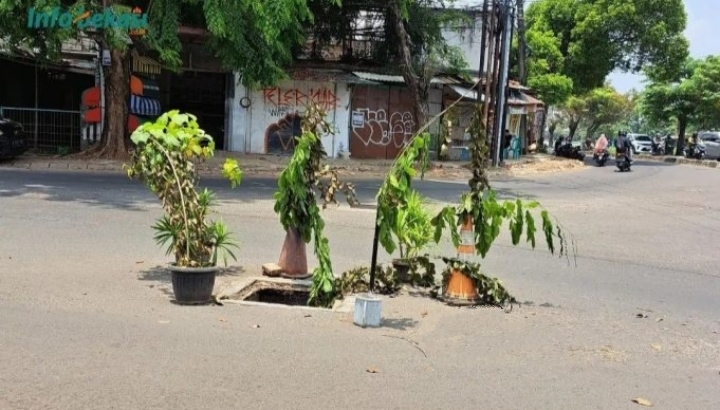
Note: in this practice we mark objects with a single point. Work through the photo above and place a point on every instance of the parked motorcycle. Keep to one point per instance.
(622, 161)
(601, 157)
(568, 151)
(695, 152)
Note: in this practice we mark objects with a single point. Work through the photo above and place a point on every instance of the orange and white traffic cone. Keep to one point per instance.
(461, 289)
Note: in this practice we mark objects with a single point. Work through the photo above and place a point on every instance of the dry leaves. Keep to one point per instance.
(643, 402)
(372, 370)
(656, 347)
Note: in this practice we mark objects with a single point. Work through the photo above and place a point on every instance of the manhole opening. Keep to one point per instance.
(276, 292)
(290, 297)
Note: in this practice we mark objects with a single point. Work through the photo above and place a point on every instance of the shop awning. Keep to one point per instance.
(145, 65)
(144, 107)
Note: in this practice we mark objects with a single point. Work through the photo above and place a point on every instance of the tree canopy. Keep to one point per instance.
(587, 39)
(545, 68)
(254, 38)
(692, 99)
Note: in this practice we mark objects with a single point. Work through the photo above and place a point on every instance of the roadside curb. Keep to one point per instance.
(679, 160)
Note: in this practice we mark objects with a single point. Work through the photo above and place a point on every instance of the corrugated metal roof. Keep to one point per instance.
(382, 78)
(398, 79)
(532, 100)
(513, 84)
(465, 92)
(327, 75)
(443, 79)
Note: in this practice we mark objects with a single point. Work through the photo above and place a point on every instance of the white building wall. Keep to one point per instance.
(469, 39)
(264, 119)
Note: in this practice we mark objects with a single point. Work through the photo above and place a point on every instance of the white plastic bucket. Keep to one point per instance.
(367, 310)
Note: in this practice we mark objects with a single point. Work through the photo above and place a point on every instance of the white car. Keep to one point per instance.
(711, 141)
(640, 143)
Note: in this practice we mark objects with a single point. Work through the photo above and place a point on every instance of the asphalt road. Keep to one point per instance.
(87, 323)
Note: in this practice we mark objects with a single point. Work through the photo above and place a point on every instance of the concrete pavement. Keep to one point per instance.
(87, 322)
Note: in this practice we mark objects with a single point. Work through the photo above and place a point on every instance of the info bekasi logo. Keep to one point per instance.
(108, 18)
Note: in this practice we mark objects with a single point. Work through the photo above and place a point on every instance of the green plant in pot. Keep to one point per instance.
(403, 222)
(413, 231)
(164, 155)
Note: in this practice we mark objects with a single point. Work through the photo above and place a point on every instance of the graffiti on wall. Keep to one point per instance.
(379, 128)
(280, 102)
(280, 135)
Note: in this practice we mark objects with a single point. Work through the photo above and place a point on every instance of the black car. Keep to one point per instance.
(12, 139)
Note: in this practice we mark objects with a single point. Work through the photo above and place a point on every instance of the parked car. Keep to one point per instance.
(12, 139)
(640, 143)
(711, 140)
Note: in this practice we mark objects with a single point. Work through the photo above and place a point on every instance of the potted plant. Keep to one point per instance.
(163, 158)
(402, 220)
(413, 231)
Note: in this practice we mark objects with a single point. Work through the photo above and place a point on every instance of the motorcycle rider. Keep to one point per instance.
(693, 144)
(656, 144)
(601, 144)
(668, 144)
(623, 146)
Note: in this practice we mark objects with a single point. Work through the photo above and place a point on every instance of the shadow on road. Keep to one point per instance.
(590, 162)
(109, 191)
(399, 324)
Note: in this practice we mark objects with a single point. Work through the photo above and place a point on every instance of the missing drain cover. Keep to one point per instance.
(275, 292)
(290, 297)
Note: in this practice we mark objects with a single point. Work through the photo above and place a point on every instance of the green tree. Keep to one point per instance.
(678, 100)
(414, 40)
(605, 106)
(693, 98)
(596, 37)
(256, 39)
(545, 66)
(575, 110)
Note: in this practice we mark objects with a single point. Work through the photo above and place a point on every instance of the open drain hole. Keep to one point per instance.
(274, 292)
(290, 297)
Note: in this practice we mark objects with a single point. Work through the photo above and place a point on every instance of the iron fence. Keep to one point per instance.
(55, 131)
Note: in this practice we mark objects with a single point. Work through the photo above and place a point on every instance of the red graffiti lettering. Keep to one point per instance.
(323, 97)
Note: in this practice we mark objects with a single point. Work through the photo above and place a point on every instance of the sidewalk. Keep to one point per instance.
(254, 164)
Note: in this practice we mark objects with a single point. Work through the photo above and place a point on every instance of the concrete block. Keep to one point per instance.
(272, 270)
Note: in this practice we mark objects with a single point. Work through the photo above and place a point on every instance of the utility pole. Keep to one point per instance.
(522, 46)
(506, 16)
(483, 48)
(490, 70)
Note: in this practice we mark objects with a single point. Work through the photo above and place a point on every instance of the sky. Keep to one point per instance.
(703, 20)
